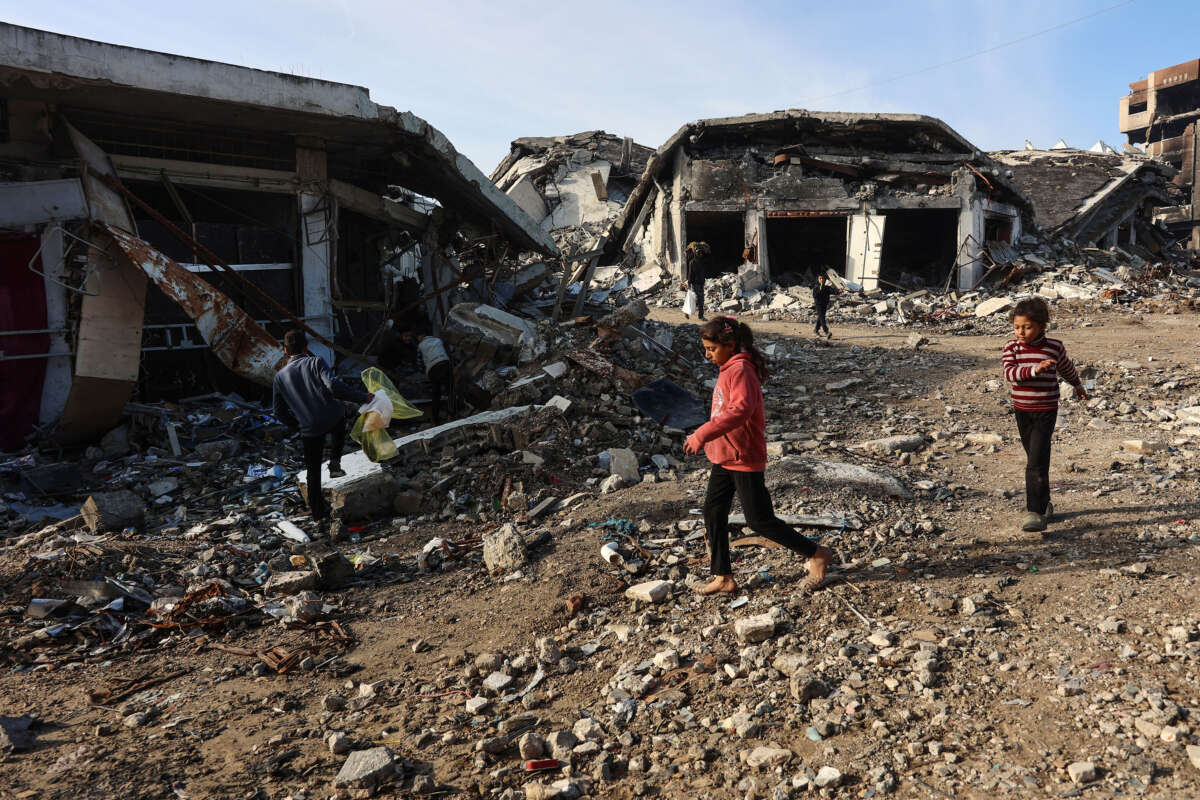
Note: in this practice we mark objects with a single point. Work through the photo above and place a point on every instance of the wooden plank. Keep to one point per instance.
(598, 185)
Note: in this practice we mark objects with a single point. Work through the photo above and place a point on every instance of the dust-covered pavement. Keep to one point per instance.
(951, 655)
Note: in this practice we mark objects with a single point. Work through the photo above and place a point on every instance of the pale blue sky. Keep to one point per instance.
(488, 72)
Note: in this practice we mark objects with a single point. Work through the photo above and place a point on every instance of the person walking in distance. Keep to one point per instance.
(735, 441)
(307, 397)
(821, 294)
(1033, 364)
(698, 256)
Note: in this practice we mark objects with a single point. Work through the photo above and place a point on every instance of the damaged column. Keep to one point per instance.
(318, 226)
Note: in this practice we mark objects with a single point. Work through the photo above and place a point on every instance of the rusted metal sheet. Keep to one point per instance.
(232, 335)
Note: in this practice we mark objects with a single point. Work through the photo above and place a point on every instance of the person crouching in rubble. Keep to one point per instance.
(735, 441)
(438, 370)
(307, 396)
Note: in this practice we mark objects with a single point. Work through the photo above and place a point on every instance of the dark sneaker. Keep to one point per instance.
(1048, 517)
(336, 471)
(1033, 522)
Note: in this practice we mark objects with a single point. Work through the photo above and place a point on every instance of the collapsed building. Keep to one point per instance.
(880, 198)
(1095, 199)
(134, 235)
(1158, 116)
(574, 186)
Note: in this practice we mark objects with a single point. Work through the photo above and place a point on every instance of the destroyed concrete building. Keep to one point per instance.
(1095, 199)
(881, 198)
(1159, 116)
(118, 206)
(574, 186)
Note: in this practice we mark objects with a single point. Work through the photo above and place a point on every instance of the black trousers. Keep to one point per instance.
(698, 288)
(314, 451)
(821, 322)
(1037, 429)
(441, 376)
(751, 489)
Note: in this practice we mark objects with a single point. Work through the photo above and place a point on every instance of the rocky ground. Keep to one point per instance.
(950, 655)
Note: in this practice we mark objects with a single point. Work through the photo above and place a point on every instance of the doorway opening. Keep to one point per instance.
(919, 247)
(800, 247)
(725, 233)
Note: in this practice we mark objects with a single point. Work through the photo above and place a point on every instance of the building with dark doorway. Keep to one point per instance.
(892, 199)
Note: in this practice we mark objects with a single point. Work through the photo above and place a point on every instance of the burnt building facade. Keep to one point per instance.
(881, 198)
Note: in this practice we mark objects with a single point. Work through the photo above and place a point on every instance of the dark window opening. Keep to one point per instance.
(4, 134)
(919, 247)
(240, 228)
(619, 189)
(801, 247)
(1124, 232)
(725, 233)
(997, 229)
(1137, 108)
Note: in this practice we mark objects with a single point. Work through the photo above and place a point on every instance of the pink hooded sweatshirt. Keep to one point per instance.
(735, 437)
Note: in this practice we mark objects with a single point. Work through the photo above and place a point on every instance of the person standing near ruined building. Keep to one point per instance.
(822, 292)
(698, 255)
(1033, 364)
(735, 441)
(307, 397)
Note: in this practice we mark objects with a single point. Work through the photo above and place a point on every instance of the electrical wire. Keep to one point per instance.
(976, 54)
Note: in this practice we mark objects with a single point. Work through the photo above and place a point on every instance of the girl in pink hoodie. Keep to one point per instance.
(735, 441)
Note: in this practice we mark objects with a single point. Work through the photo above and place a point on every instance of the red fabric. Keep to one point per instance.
(1036, 392)
(735, 436)
(22, 307)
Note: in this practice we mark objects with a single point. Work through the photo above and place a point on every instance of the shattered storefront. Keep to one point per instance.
(164, 220)
(881, 198)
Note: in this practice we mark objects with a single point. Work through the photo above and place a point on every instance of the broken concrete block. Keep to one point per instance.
(217, 449)
(781, 301)
(1142, 446)
(504, 550)
(514, 338)
(291, 582)
(365, 770)
(1193, 752)
(892, 444)
(624, 462)
(496, 683)
(113, 511)
(632, 312)
(559, 402)
(408, 503)
(305, 606)
(365, 491)
(993, 306)
(985, 439)
(528, 198)
(751, 630)
(1082, 772)
(845, 383)
(650, 592)
(769, 755)
(529, 277)
(751, 277)
(647, 281)
(14, 734)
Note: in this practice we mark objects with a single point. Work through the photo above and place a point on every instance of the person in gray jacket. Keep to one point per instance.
(307, 397)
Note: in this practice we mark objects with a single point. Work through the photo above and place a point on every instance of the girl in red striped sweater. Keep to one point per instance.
(1033, 365)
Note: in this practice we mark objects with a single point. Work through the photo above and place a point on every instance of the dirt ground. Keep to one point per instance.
(1076, 646)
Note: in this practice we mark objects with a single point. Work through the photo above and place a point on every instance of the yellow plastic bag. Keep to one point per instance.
(371, 433)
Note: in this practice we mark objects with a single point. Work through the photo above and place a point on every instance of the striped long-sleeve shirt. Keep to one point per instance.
(1038, 392)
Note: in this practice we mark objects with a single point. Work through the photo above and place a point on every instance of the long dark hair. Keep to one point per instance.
(729, 331)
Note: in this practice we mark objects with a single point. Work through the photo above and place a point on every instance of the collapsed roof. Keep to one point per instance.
(1082, 194)
(374, 145)
(575, 185)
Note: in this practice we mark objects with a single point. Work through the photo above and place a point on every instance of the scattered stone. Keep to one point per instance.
(504, 550)
(827, 776)
(338, 743)
(650, 592)
(751, 630)
(14, 734)
(366, 770)
(1082, 772)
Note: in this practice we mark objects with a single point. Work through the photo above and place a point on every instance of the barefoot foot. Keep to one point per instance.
(817, 564)
(722, 584)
